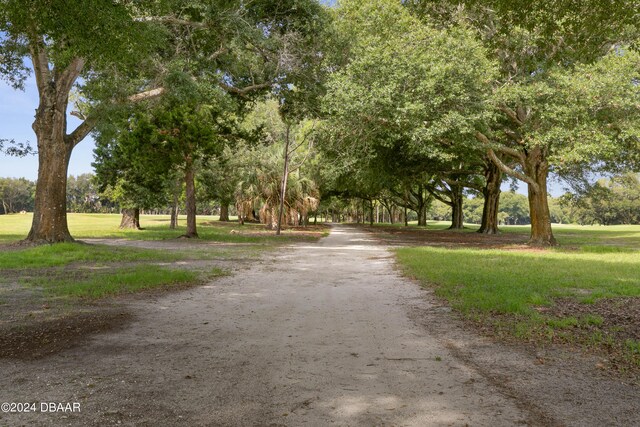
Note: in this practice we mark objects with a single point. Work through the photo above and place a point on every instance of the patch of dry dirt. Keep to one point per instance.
(621, 316)
(35, 339)
(451, 239)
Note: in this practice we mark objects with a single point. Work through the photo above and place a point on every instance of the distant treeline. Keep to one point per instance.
(609, 201)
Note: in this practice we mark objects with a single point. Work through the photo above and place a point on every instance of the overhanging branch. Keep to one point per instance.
(511, 172)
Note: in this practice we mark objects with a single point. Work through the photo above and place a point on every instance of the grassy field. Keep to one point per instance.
(584, 291)
(156, 227)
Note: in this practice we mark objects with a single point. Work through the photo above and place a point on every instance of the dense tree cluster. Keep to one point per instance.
(367, 111)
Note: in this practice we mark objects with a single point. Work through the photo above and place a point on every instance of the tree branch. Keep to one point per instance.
(501, 148)
(66, 78)
(244, 91)
(40, 61)
(465, 184)
(436, 194)
(81, 131)
(511, 114)
(149, 94)
(172, 20)
(511, 172)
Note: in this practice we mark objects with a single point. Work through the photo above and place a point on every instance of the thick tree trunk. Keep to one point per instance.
(54, 145)
(130, 219)
(491, 192)
(537, 168)
(457, 215)
(224, 211)
(422, 215)
(190, 199)
(50, 209)
(541, 233)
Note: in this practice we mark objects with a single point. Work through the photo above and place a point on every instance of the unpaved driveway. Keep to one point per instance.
(315, 335)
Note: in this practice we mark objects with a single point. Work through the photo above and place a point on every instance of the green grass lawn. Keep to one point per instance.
(114, 281)
(515, 282)
(68, 253)
(156, 227)
(515, 291)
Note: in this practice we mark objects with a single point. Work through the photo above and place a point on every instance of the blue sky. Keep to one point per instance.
(17, 109)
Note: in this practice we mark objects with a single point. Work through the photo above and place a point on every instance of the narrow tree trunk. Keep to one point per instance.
(285, 178)
(491, 192)
(406, 218)
(224, 211)
(371, 213)
(175, 208)
(537, 168)
(190, 201)
(130, 219)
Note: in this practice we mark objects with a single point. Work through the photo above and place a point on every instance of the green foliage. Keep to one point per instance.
(259, 170)
(613, 200)
(111, 37)
(16, 195)
(395, 120)
(82, 194)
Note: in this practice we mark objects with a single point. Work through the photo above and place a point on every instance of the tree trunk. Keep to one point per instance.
(491, 192)
(190, 201)
(371, 213)
(283, 186)
(406, 218)
(224, 211)
(457, 215)
(422, 215)
(537, 168)
(130, 219)
(50, 208)
(54, 145)
(175, 209)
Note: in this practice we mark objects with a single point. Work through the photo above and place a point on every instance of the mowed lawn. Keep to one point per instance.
(586, 290)
(156, 227)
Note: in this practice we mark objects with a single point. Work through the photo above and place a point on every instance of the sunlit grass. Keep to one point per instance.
(67, 253)
(114, 282)
(514, 282)
(156, 227)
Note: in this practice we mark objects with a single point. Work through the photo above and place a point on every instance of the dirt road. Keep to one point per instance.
(314, 335)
